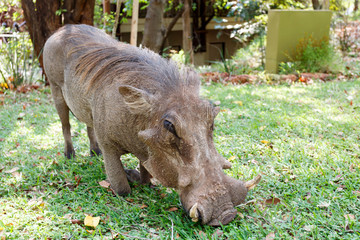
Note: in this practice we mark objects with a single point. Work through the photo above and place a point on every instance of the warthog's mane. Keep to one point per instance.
(102, 60)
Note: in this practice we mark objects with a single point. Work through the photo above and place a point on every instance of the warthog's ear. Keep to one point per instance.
(137, 100)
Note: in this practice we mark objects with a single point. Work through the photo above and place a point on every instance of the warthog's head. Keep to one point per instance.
(182, 155)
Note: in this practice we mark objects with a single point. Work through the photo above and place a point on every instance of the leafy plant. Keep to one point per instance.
(19, 63)
(312, 55)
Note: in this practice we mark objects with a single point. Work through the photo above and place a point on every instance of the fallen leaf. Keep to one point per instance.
(308, 228)
(2, 139)
(39, 218)
(202, 234)
(143, 206)
(12, 170)
(240, 214)
(21, 116)
(350, 217)
(16, 174)
(324, 204)
(357, 193)
(240, 103)
(217, 234)
(270, 236)
(104, 184)
(172, 209)
(274, 201)
(232, 158)
(91, 221)
(68, 216)
(76, 221)
(265, 141)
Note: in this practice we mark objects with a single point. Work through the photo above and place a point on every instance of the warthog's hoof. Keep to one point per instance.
(132, 175)
(95, 152)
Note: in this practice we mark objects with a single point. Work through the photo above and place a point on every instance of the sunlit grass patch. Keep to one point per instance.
(302, 139)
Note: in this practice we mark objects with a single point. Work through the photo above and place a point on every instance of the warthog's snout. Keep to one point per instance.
(217, 207)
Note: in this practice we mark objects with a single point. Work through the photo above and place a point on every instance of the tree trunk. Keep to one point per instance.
(134, 23)
(169, 28)
(42, 21)
(187, 35)
(79, 11)
(106, 10)
(356, 5)
(316, 4)
(153, 29)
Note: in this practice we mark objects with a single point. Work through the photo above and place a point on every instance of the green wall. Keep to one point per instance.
(286, 27)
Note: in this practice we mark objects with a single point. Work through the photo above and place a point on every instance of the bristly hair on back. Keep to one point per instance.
(100, 63)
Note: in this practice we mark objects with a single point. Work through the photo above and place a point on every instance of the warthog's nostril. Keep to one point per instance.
(224, 219)
(228, 218)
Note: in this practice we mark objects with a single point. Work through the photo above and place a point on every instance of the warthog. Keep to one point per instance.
(134, 101)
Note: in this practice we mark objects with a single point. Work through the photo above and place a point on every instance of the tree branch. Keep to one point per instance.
(169, 28)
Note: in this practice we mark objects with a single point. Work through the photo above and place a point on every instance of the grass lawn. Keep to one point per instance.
(303, 139)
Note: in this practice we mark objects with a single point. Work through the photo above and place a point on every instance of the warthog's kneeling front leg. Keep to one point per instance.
(115, 170)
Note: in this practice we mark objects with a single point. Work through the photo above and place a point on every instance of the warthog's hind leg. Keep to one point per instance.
(63, 111)
(94, 147)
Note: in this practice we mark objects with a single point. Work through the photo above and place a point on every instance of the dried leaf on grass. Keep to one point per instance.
(270, 236)
(309, 228)
(104, 184)
(324, 204)
(172, 209)
(143, 206)
(91, 221)
(350, 217)
(273, 201)
(12, 170)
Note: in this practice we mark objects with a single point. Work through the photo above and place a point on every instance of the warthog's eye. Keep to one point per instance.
(170, 127)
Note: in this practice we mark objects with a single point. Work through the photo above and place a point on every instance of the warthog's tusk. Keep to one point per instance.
(194, 213)
(252, 183)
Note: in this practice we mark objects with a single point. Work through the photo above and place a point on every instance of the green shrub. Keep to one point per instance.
(18, 62)
(313, 55)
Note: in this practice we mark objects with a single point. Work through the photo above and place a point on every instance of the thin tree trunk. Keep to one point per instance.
(153, 31)
(117, 16)
(106, 9)
(356, 5)
(169, 28)
(316, 4)
(187, 39)
(134, 23)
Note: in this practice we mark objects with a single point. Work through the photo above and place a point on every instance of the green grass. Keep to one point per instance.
(303, 140)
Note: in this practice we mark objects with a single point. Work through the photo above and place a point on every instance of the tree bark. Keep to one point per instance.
(356, 5)
(169, 28)
(79, 11)
(316, 4)
(134, 23)
(153, 29)
(42, 21)
(187, 35)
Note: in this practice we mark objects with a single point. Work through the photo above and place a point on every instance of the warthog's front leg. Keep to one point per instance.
(115, 170)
